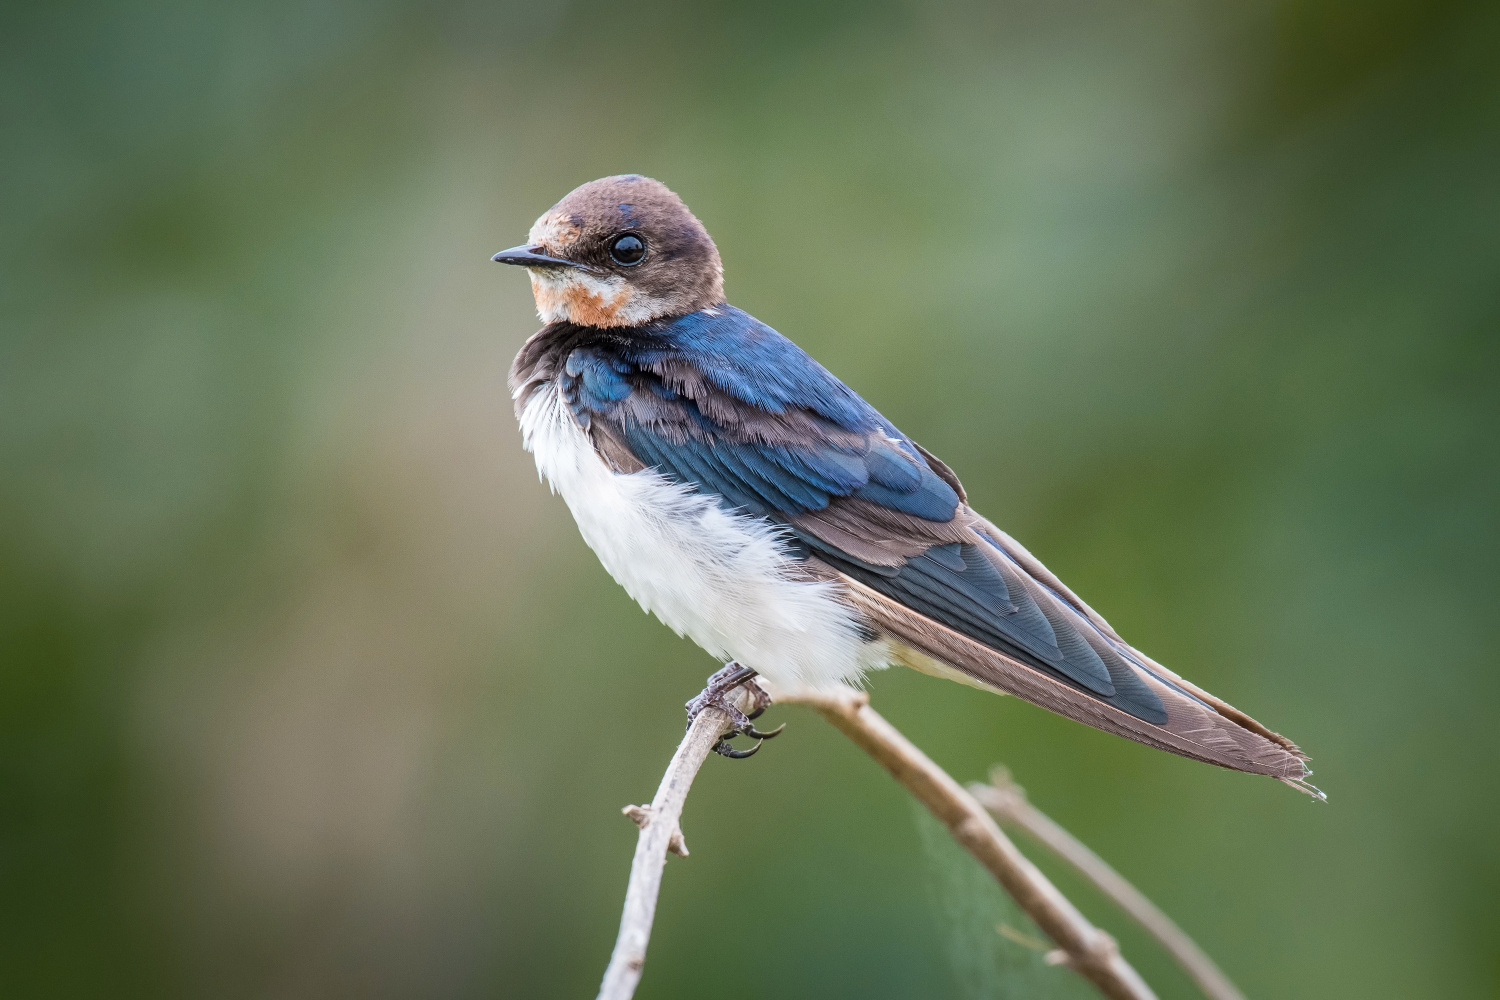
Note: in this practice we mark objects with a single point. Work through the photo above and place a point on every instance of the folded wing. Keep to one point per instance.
(732, 408)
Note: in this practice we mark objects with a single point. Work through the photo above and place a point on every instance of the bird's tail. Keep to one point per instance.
(1210, 731)
(1191, 722)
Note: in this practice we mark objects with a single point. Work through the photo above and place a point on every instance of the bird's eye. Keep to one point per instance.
(627, 249)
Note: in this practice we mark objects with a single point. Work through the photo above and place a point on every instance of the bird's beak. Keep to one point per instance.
(531, 255)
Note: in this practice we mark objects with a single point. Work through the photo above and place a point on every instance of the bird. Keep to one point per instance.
(756, 504)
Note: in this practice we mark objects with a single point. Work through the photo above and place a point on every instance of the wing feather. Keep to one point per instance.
(728, 406)
(1188, 726)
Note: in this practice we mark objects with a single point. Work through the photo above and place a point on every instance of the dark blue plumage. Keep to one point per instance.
(643, 366)
(718, 400)
(829, 443)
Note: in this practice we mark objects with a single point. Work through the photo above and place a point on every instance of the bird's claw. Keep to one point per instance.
(724, 749)
(717, 694)
(756, 734)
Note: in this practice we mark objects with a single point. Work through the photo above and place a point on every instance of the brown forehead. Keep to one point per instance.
(629, 202)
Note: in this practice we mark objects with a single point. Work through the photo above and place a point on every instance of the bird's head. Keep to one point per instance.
(619, 251)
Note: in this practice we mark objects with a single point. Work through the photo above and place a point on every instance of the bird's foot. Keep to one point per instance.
(719, 694)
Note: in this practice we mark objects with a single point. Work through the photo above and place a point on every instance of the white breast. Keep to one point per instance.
(720, 578)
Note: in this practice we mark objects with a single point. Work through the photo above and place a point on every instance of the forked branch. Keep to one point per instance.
(1081, 945)
(1087, 949)
(1007, 802)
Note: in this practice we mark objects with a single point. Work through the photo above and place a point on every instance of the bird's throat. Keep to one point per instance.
(587, 300)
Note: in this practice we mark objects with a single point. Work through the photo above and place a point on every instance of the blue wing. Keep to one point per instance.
(721, 402)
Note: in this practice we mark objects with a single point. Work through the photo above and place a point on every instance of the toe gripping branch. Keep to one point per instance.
(718, 694)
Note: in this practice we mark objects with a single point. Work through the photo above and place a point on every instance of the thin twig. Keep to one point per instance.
(1084, 947)
(1087, 949)
(660, 832)
(1007, 802)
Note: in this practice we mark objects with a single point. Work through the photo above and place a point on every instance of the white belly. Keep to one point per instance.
(722, 579)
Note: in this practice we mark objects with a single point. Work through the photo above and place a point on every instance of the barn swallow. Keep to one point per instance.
(753, 502)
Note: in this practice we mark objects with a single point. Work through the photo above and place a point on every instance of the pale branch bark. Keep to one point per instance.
(660, 832)
(1085, 948)
(1088, 950)
(1007, 802)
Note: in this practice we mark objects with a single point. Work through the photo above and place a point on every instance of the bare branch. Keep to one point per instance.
(1007, 802)
(660, 832)
(1084, 947)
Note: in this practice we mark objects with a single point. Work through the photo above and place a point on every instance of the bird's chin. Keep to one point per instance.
(590, 300)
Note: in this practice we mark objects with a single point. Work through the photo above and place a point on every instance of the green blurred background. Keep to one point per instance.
(309, 689)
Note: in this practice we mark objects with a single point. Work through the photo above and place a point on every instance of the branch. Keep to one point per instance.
(1007, 801)
(660, 832)
(1085, 948)
(1088, 950)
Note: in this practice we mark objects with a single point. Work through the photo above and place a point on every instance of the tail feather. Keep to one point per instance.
(1197, 724)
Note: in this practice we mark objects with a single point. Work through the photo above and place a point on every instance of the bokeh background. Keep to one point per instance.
(310, 689)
